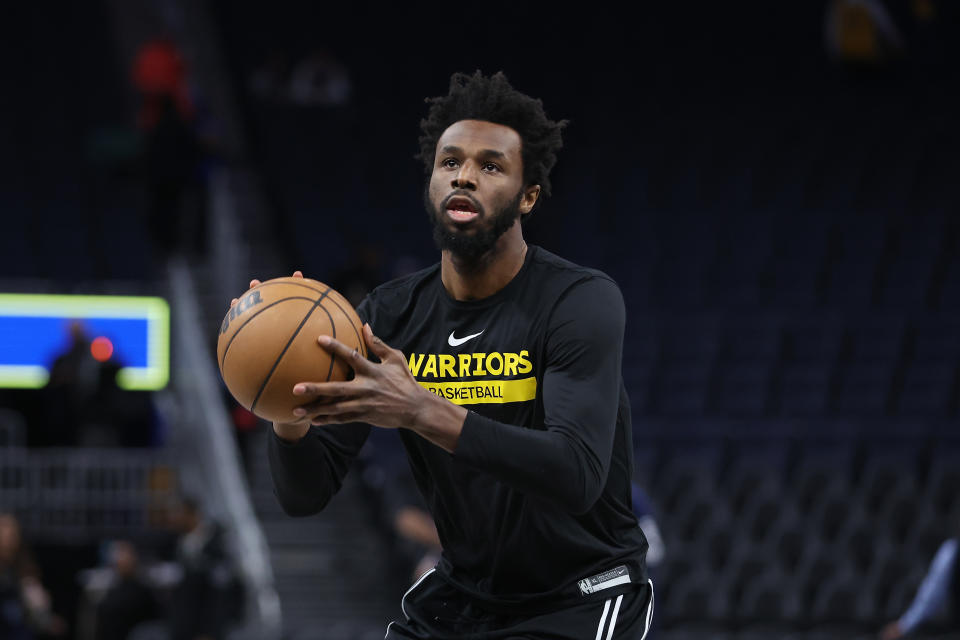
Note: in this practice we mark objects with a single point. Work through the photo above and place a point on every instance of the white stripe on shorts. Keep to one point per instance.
(416, 584)
(613, 618)
(603, 618)
(403, 600)
(649, 611)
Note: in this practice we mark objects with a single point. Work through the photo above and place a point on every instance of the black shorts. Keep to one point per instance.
(434, 610)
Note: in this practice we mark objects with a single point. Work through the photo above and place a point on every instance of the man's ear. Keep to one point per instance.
(530, 196)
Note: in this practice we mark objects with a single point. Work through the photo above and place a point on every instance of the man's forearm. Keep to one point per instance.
(439, 421)
(291, 432)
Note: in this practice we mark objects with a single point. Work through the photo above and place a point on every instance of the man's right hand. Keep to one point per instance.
(290, 431)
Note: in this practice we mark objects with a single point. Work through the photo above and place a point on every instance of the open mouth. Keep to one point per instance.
(461, 209)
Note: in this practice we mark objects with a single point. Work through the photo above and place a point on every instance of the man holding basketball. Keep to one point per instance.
(501, 367)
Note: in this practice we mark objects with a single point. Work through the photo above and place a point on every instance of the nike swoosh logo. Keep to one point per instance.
(454, 341)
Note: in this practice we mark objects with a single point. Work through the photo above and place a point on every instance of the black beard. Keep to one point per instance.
(470, 247)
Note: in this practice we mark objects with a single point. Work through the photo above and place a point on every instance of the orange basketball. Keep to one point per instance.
(268, 343)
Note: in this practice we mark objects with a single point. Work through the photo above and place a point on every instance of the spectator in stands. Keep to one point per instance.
(319, 79)
(128, 601)
(113, 416)
(74, 377)
(173, 151)
(25, 605)
(84, 405)
(361, 274)
(940, 590)
(860, 32)
(398, 507)
(206, 598)
(415, 525)
(656, 551)
(245, 427)
(268, 80)
(643, 509)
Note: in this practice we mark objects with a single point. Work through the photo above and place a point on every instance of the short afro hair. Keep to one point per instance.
(493, 99)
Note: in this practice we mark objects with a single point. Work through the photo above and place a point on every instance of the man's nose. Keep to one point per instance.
(465, 178)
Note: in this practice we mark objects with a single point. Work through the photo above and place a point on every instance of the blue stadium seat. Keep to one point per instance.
(943, 482)
(866, 381)
(757, 463)
(769, 598)
(812, 348)
(932, 372)
(685, 470)
(823, 467)
(852, 275)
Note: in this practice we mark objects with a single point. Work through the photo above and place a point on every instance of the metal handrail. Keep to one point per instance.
(206, 432)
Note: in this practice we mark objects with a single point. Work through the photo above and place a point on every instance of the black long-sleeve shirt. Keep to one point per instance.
(534, 504)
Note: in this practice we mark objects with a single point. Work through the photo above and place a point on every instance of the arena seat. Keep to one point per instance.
(811, 351)
(697, 597)
(852, 272)
(822, 467)
(682, 471)
(864, 544)
(759, 520)
(890, 467)
(697, 515)
(757, 463)
(836, 599)
(13, 428)
(787, 546)
(768, 599)
(943, 484)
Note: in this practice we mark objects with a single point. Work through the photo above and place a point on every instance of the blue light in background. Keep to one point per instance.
(31, 340)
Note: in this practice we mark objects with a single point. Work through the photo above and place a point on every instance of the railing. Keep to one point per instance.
(205, 434)
(86, 494)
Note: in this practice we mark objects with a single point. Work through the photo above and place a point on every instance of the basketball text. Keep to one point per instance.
(247, 301)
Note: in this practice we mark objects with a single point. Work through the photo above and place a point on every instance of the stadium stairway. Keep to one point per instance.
(333, 572)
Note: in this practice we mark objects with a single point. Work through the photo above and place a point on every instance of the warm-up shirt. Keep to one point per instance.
(534, 505)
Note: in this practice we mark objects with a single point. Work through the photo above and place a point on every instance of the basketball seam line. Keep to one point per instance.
(360, 340)
(333, 329)
(289, 342)
(250, 319)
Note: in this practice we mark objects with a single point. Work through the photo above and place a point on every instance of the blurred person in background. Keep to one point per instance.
(172, 151)
(643, 509)
(245, 428)
(74, 377)
(84, 404)
(398, 507)
(128, 600)
(319, 79)
(361, 274)
(205, 600)
(656, 549)
(25, 607)
(115, 417)
(938, 593)
(861, 32)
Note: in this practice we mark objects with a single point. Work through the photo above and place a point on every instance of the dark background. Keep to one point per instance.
(781, 217)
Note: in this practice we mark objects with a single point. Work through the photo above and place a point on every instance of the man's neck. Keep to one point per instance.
(491, 272)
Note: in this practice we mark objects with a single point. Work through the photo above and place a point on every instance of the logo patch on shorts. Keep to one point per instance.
(605, 580)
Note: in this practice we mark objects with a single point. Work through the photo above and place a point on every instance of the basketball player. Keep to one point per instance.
(500, 365)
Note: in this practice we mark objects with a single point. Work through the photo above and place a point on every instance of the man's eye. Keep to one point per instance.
(449, 163)
(489, 166)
